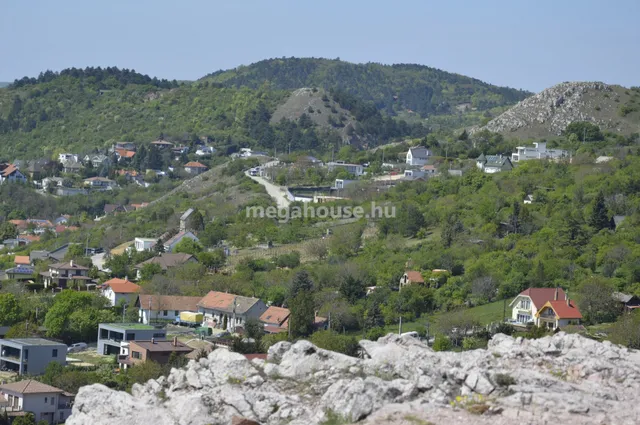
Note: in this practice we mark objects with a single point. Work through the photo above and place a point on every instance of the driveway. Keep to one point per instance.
(281, 194)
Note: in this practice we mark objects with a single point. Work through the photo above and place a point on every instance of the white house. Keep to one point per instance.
(525, 306)
(528, 199)
(538, 151)
(492, 164)
(118, 290)
(171, 243)
(64, 157)
(228, 311)
(144, 244)
(47, 403)
(418, 156)
(156, 308)
(204, 151)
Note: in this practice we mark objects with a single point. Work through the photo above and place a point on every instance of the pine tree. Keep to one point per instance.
(599, 215)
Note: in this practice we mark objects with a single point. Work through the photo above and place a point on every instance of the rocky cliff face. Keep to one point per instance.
(549, 112)
(553, 380)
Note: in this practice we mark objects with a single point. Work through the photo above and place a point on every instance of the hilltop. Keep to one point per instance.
(399, 380)
(613, 108)
(392, 88)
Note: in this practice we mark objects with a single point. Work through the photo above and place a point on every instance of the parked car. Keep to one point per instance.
(78, 346)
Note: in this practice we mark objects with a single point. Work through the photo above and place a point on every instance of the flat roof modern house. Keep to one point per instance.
(31, 355)
(112, 336)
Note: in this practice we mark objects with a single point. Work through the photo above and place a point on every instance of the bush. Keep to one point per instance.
(503, 380)
(473, 343)
(330, 340)
(505, 328)
(442, 343)
(535, 332)
(374, 333)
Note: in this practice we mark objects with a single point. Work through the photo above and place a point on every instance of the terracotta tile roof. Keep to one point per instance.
(9, 170)
(415, 277)
(122, 286)
(30, 386)
(125, 153)
(21, 224)
(168, 302)
(562, 310)
(194, 164)
(539, 296)
(222, 301)
(60, 229)
(275, 315)
(30, 238)
(22, 259)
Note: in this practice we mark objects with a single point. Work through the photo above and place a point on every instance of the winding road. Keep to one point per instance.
(281, 194)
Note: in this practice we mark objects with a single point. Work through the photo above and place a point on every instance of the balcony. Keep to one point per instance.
(63, 406)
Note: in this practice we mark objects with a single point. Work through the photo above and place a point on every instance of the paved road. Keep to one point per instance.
(281, 195)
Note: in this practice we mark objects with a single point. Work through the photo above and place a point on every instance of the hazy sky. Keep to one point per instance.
(529, 44)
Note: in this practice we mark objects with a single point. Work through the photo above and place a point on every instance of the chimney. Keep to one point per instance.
(175, 341)
(555, 297)
(71, 263)
(153, 340)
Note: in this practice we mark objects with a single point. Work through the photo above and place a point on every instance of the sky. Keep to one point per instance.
(528, 44)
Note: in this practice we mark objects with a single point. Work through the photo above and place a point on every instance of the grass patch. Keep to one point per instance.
(416, 420)
(332, 418)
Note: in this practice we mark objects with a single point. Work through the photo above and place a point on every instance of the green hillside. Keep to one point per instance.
(392, 88)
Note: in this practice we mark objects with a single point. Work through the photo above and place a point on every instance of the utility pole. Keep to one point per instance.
(329, 320)
(124, 307)
(400, 327)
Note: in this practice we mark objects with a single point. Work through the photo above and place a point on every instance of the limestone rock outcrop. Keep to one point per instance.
(559, 379)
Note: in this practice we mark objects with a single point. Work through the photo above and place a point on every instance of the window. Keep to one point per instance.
(26, 353)
(176, 313)
(164, 313)
(55, 352)
(46, 400)
(61, 416)
(53, 400)
(159, 335)
(136, 355)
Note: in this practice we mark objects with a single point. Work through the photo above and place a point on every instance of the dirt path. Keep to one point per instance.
(281, 195)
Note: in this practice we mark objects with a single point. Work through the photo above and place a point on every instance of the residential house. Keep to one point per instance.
(158, 351)
(528, 199)
(59, 253)
(195, 168)
(30, 356)
(64, 275)
(178, 151)
(557, 314)
(618, 219)
(20, 273)
(417, 156)
(127, 146)
(205, 151)
(38, 168)
(164, 308)
(429, 170)
(538, 151)
(62, 229)
(144, 244)
(113, 336)
(64, 157)
(491, 164)
(99, 182)
(603, 159)
(526, 305)
(97, 160)
(275, 319)
(51, 182)
(38, 256)
(170, 244)
(22, 260)
(72, 167)
(162, 144)
(130, 175)
(9, 173)
(415, 174)
(411, 277)
(123, 154)
(627, 302)
(71, 191)
(113, 209)
(49, 404)
(355, 169)
(119, 290)
(343, 183)
(167, 261)
(184, 219)
(221, 309)
(63, 219)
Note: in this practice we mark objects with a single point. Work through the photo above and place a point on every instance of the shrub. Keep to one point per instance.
(504, 380)
(374, 333)
(442, 343)
(505, 328)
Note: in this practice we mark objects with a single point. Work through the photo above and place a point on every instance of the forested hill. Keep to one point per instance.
(84, 110)
(392, 88)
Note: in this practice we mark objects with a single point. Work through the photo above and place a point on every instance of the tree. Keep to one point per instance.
(149, 270)
(626, 331)
(10, 312)
(452, 228)
(330, 340)
(290, 260)
(352, 289)
(76, 315)
(317, 248)
(301, 305)
(596, 302)
(485, 288)
(188, 246)
(213, 260)
(75, 251)
(158, 248)
(442, 343)
(254, 329)
(599, 215)
(8, 231)
(196, 221)
(346, 242)
(585, 131)
(118, 264)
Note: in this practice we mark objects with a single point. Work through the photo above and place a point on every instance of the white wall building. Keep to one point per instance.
(144, 244)
(418, 156)
(538, 151)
